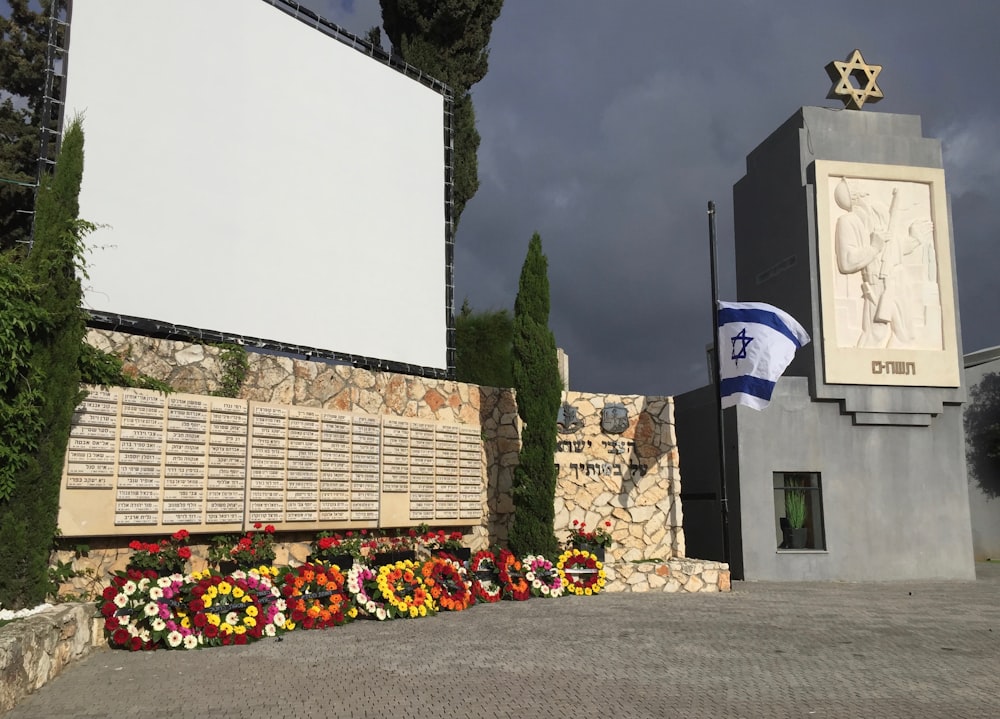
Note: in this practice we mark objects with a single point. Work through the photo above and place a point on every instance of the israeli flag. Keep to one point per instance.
(757, 341)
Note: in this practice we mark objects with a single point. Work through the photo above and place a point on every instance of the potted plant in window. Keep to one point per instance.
(795, 513)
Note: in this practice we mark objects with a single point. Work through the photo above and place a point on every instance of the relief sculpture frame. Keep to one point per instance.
(886, 277)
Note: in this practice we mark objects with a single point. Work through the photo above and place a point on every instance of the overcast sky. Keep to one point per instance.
(608, 126)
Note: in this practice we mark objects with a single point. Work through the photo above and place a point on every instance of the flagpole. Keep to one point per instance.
(718, 385)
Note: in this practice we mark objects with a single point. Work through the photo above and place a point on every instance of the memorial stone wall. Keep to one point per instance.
(218, 465)
(368, 448)
(617, 455)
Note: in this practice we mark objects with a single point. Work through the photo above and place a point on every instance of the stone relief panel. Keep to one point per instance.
(887, 293)
(885, 275)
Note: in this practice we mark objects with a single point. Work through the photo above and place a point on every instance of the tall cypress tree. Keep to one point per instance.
(539, 393)
(28, 517)
(448, 39)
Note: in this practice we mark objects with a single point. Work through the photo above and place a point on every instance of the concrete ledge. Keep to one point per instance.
(35, 649)
(671, 575)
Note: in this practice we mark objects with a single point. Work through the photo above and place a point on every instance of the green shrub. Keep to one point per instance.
(102, 368)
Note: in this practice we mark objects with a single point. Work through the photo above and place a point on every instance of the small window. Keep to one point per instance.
(798, 509)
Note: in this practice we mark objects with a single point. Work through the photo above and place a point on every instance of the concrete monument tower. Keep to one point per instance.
(842, 220)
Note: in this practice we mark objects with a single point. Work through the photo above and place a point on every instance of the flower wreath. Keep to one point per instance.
(363, 589)
(401, 586)
(234, 609)
(138, 610)
(485, 584)
(446, 581)
(581, 572)
(263, 581)
(316, 598)
(543, 576)
(515, 586)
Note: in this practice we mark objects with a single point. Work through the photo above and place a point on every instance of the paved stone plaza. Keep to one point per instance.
(910, 649)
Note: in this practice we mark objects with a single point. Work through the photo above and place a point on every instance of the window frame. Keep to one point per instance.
(810, 483)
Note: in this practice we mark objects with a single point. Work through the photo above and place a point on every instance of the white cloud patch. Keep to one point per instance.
(971, 150)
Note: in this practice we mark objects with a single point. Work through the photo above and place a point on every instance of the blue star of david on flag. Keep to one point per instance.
(765, 338)
(744, 341)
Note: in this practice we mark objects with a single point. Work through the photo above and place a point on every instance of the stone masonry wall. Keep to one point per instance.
(196, 369)
(625, 478)
(628, 477)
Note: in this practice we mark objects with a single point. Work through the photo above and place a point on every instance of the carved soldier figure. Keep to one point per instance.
(869, 241)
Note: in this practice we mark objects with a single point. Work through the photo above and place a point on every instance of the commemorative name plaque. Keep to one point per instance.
(469, 464)
(146, 413)
(142, 462)
(132, 494)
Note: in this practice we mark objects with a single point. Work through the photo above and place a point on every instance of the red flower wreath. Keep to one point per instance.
(315, 596)
(515, 586)
(485, 584)
(445, 579)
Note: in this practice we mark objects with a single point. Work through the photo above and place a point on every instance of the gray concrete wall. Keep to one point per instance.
(696, 415)
(891, 458)
(984, 482)
(985, 514)
(895, 503)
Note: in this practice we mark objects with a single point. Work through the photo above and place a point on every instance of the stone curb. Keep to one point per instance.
(37, 648)
(672, 575)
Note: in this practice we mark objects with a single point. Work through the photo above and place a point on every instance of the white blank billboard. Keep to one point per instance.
(259, 177)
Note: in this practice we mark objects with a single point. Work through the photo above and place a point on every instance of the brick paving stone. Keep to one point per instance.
(812, 650)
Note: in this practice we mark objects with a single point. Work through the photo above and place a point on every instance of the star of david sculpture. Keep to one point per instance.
(867, 90)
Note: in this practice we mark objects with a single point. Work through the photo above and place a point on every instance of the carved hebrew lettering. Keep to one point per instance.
(638, 468)
(894, 367)
(573, 445)
(617, 446)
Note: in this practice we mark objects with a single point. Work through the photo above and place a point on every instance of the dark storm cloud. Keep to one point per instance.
(606, 127)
